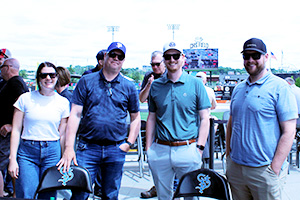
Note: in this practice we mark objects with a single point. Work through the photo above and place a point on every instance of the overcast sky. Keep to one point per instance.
(71, 32)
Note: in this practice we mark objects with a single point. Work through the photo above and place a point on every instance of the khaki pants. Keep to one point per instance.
(257, 183)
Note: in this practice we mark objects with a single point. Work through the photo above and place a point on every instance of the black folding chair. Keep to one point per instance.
(203, 182)
(78, 178)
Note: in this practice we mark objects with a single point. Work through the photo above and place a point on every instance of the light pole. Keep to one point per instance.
(113, 29)
(173, 27)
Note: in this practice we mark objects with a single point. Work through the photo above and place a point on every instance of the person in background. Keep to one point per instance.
(296, 91)
(210, 91)
(260, 130)
(4, 54)
(8, 186)
(174, 137)
(158, 69)
(9, 93)
(39, 121)
(103, 100)
(213, 102)
(100, 63)
(62, 86)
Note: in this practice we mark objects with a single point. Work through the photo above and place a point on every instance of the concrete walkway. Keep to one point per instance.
(133, 183)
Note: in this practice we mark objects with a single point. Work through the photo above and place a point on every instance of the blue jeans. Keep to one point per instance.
(109, 159)
(34, 157)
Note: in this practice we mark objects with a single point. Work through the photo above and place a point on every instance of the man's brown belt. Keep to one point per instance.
(176, 143)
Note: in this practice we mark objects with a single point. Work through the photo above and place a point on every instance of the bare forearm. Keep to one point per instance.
(282, 151)
(135, 127)
(204, 127)
(144, 93)
(150, 130)
(16, 133)
(228, 136)
(284, 145)
(14, 144)
(72, 127)
(203, 132)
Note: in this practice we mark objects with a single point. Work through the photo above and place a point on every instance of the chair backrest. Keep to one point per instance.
(203, 182)
(77, 178)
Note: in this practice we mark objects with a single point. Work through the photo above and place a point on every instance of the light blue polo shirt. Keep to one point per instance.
(177, 106)
(256, 110)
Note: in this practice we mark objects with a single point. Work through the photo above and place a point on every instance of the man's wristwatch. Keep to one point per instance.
(201, 147)
(130, 144)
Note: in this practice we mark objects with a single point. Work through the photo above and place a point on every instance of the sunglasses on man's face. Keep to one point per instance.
(44, 75)
(175, 56)
(255, 56)
(113, 55)
(4, 66)
(155, 64)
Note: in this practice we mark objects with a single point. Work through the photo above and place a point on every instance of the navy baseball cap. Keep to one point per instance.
(255, 44)
(100, 54)
(116, 45)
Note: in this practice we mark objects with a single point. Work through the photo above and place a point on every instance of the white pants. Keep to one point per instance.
(166, 161)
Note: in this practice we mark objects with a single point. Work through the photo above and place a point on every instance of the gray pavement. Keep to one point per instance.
(133, 182)
(132, 185)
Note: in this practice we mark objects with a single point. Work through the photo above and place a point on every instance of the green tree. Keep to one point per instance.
(23, 73)
(71, 69)
(297, 82)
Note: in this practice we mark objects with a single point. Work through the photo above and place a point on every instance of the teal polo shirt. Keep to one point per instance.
(177, 106)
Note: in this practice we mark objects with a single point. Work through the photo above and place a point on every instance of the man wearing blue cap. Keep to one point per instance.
(101, 101)
(260, 130)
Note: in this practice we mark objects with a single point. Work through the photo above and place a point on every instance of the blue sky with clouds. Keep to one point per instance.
(71, 32)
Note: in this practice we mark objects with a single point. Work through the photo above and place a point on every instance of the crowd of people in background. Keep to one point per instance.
(52, 126)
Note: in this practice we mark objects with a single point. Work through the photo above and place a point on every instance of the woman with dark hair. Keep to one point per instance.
(39, 121)
(64, 78)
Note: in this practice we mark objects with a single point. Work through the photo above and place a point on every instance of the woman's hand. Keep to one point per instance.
(13, 168)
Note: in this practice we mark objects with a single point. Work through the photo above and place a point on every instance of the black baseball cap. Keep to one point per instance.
(100, 54)
(255, 44)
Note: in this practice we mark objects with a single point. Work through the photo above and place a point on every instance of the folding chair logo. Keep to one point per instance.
(204, 182)
(66, 176)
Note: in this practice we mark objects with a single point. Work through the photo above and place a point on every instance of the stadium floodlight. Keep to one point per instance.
(173, 27)
(113, 29)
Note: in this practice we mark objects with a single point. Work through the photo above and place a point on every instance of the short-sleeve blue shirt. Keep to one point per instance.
(177, 106)
(105, 109)
(256, 110)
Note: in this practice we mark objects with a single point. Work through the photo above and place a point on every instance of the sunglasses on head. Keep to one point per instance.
(175, 56)
(44, 75)
(155, 64)
(109, 89)
(113, 55)
(255, 56)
